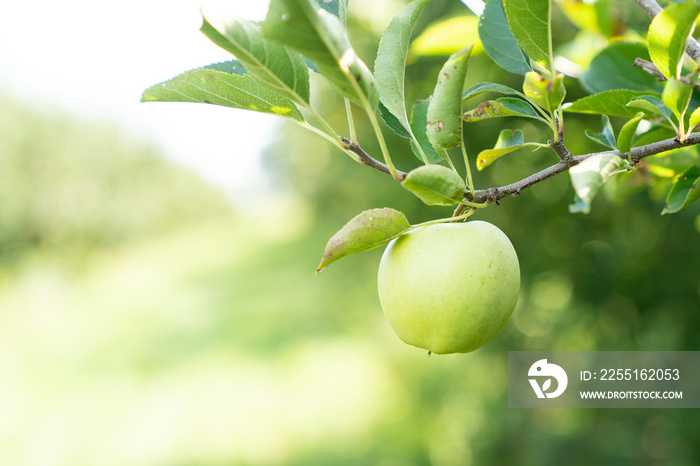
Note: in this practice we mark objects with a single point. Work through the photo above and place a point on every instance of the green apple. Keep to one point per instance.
(449, 288)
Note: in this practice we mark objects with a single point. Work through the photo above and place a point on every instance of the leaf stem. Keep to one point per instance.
(560, 116)
(442, 220)
(351, 121)
(420, 148)
(470, 182)
(368, 160)
(328, 128)
(462, 207)
(449, 160)
(369, 109)
(537, 107)
(473, 205)
(433, 222)
(382, 143)
(336, 141)
(555, 125)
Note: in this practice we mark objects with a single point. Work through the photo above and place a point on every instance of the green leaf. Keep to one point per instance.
(508, 141)
(612, 102)
(419, 126)
(368, 230)
(393, 122)
(653, 106)
(274, 65)
(650, 104)
(230, 67)
(606, 137)
(445, 108)
(529, 21)
(446, 37)
(482, 88)
(205, 85)
(337, 8)
(668, 35)
(676, 97)
(503, 107)
(685, 191)
(319, 36)
(390, 66)
(499, 43)
(694, 118)
(435, 185)
(612, 69)
(624, 139)
(589, 176)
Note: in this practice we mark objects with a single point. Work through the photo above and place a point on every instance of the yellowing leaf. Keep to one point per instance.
(503, 107)
(508, 141)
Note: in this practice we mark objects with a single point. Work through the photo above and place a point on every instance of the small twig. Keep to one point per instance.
(568, 160)
(651, 8)
(638, 153)
(651, 69)
(635, 155)
(496, 194)
(368, 160)
(560, 149)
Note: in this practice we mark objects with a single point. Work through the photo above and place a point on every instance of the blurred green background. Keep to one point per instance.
(145, 322)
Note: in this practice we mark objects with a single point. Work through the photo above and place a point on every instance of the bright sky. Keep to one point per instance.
(94, 59)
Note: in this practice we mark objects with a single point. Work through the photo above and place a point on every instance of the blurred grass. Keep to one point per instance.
(193, 337)
(213, 344)
(151, 357)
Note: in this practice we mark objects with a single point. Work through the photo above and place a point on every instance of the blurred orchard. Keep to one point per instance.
(145, 322)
